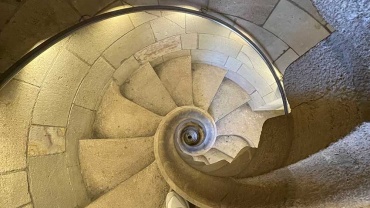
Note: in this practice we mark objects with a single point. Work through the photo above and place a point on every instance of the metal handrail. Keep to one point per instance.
(17, 66)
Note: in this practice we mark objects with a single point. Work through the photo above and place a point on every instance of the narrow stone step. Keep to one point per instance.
(228, 98)
(201, 158)
(105, 163)
(146, 89)
(206, 81)
(245, 123)
(215, 155)
(146, 189)
(176, 76)
(118, 117)
(230, 144)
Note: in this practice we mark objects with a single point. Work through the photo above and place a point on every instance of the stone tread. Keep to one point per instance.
(230, 144)
(206, 81)
(146, 89)
(146, 189)
(215, 155)
(176, 76)
(105, 163)
(118, 117)
(228, 98)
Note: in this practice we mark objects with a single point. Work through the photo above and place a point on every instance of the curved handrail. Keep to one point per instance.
(17, 66)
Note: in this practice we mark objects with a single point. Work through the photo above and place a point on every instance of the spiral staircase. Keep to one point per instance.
(174, 99)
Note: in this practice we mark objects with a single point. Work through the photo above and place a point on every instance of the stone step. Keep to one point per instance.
(206, 81)
(146, 89)
(118, 117)
(215, 155)
(105, 163)
(228, 98)
(146, 189)
(230, 144)
(176, 76)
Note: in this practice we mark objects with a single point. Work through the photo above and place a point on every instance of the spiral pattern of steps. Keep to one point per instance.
(120, 159)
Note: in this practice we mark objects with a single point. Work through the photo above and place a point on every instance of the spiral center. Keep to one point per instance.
(192, 134)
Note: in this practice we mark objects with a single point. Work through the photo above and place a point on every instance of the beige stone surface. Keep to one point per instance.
(125, 70)
(156, 61)
(206, 81)
(28, 206)
(219, 44)
(176, 77)
(35, 71)
(46, 140)
(49, 182)
(209, 57)
(233, 64)
(118, 117)
(105, 163)
(140, 18)
(195, 24)
(189, 41)
(215, 155)
(16, 103)
(80, 193)
(230, 144)
(59, 88)
(245, 123)
(176, 17)
(147, 189)
(295, 27)
(285, 60)
(176, 54)
(14, 189)
(7, 10)
(158, 49)
(243, 83)
(91, 88)
(256, 101)
(127, 45)
(146, 89)
(228, 97)
(89, 42)
(90, 7)
(164, 28)
(311, 9)
(245, 59)
(256, 80)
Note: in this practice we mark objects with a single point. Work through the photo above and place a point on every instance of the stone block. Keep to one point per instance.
(189, 41)
(140, 18)
(243, 83)
(233, 64)
(189, 4)
(311, 9)
(164, 28)
(176, 17)
(46, 140)
(176, 54)
(14, 190)
(89, 42)
(88, 7)
(295, 27)
(211, 57)
(195, 24)
(129, 44)
(157, 61)
(254, 11)
(285, 60)
(158, 49)
(253, 77)
(125, 70)
(78, 186)
(93, 84)
(59, 88)
(7, 10)
(219, 44)
(16, 102)
(256, 101)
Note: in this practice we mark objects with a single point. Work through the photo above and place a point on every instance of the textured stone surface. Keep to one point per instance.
(49, 182)
(245, 123)
(285, 60)
(228, 98)
(46, 140)
(14, 189)
(233, 64)
(196, 24)
(230, 145)
(189, 41)
(176, 54)
(164, 28)
(129, 44)
(272, 44)
(115, 111)
(88, 43)
(140, 18)
(219, 44)
(7, 10)
(254, 11)
(146, 89)
(125, 70)
(285, 22)
(105, 163)
(255, 79)
(243, 83)
(146, 189)
(215, 155)
(308, 7)
(209, 57)
(90, 7)
(206, 81)
(158, 49)
(59, 88)
(16, 103)
(90, 90)
(176, 77)
(176, 17)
